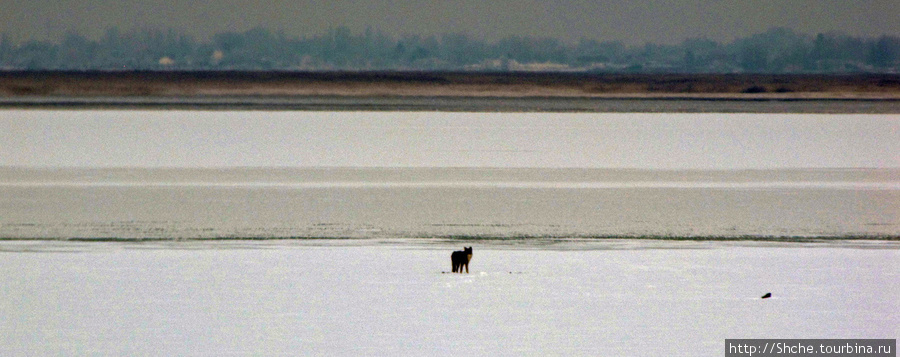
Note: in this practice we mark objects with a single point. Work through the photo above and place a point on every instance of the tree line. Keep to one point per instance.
(778, 50)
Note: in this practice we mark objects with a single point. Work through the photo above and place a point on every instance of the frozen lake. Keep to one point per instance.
(187, 212)
(96, 174)
(391, 297)
(654, 141)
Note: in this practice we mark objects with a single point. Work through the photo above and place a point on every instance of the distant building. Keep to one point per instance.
(166, 61)
(513, 65)
(216, 57)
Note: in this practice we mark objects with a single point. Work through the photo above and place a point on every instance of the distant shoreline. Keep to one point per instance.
(451, 91)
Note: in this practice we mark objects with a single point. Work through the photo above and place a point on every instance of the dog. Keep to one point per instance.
(460, 259)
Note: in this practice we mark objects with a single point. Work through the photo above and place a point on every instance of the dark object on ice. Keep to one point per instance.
(460, 259)
(767, 295)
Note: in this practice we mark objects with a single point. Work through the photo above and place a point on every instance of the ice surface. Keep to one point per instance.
(533, 291)
(671, 141)
(394, 297)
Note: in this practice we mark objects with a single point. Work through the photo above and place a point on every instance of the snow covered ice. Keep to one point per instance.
(397, 297)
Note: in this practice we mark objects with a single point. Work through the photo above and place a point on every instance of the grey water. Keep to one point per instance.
(446, 202)
(466, 104)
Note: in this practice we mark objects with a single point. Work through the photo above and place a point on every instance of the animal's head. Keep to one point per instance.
(468, 250)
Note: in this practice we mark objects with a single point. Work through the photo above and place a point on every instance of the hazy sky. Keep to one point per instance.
(426, 139)
(635, 22)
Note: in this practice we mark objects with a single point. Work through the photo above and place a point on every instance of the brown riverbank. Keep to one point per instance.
(462, 92)
(437, 84)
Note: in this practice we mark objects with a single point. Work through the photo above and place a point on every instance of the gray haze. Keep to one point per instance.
(635, 22)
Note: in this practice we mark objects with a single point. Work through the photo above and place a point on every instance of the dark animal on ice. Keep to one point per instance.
(767, 295)
(460, 259)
